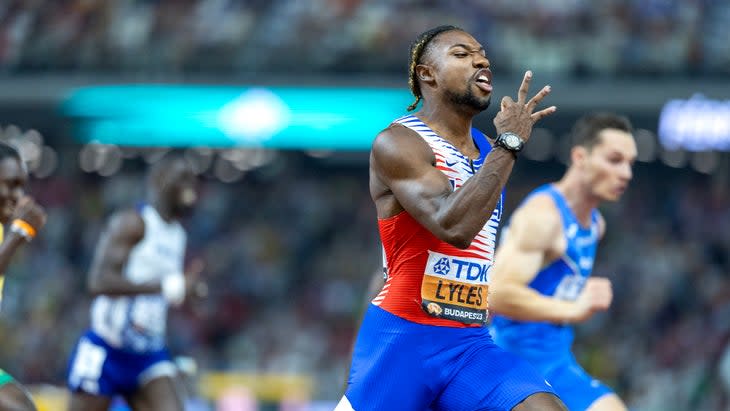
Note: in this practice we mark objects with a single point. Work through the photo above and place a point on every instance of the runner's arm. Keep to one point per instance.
(106, 276)
(533, 231)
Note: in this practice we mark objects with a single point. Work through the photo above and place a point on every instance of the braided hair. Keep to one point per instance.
(418, 48)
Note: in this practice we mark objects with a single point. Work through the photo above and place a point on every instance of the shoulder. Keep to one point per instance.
(537, 219)
(126, 223)
(397, 140)
(541, 207)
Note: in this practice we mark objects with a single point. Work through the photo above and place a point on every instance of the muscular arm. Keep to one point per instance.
(106, 276)
(402, 164)
(532, 237)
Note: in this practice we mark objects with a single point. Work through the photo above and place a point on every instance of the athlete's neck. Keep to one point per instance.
(450, 125)
(578, 197)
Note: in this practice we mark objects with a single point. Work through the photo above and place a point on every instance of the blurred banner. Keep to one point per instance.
(265, 387)
(224, 116)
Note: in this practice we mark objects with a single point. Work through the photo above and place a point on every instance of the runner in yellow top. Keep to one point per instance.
(20, 219)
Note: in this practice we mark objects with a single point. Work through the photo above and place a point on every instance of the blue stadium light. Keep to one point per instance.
(696, 124)
(223, 116)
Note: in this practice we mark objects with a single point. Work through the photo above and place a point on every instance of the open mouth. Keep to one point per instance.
(483, 80)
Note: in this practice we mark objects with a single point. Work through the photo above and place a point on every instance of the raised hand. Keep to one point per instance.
(519, 116)
(30, 212)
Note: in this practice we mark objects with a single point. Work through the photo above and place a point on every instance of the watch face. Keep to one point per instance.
(512, 140)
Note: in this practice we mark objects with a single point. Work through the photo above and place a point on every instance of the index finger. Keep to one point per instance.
(524, 87)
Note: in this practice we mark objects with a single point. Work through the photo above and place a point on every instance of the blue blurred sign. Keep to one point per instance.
(218, 116)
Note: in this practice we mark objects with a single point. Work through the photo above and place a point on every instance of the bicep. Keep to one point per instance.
(405, 164)
(421, 193)
(516, 263)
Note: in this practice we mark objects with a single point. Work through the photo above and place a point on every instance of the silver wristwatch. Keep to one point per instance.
(510, 141)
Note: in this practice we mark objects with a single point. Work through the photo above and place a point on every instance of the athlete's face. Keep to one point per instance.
(461, 69)
(180, 188)
(13, 177)
(607, 167)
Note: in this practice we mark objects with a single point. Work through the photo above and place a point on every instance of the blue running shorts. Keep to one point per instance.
(99, 369)
(401, 365)
(572, 383)
(556, 362)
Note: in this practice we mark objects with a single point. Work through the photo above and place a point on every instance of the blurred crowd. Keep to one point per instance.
(291, 248)
(559, 37)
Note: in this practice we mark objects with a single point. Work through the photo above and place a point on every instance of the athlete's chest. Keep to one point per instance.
(457, 167)
(579, 245)
(159, 253)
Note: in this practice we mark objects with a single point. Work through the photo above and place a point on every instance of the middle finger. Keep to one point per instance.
(538, 97)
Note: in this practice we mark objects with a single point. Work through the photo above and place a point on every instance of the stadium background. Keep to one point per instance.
(289, 235)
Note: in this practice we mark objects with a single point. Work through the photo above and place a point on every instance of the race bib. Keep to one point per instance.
(455, 288)
(570, 287)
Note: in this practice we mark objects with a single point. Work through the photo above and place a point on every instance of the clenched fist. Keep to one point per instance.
(596, 296)
(30, 212)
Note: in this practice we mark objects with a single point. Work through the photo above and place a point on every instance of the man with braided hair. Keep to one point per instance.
(437, 186)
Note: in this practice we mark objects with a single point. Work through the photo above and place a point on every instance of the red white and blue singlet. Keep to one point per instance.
(428, 280)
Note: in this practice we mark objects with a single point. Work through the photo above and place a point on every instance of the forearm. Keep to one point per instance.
(468, 208)
(522, 303)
